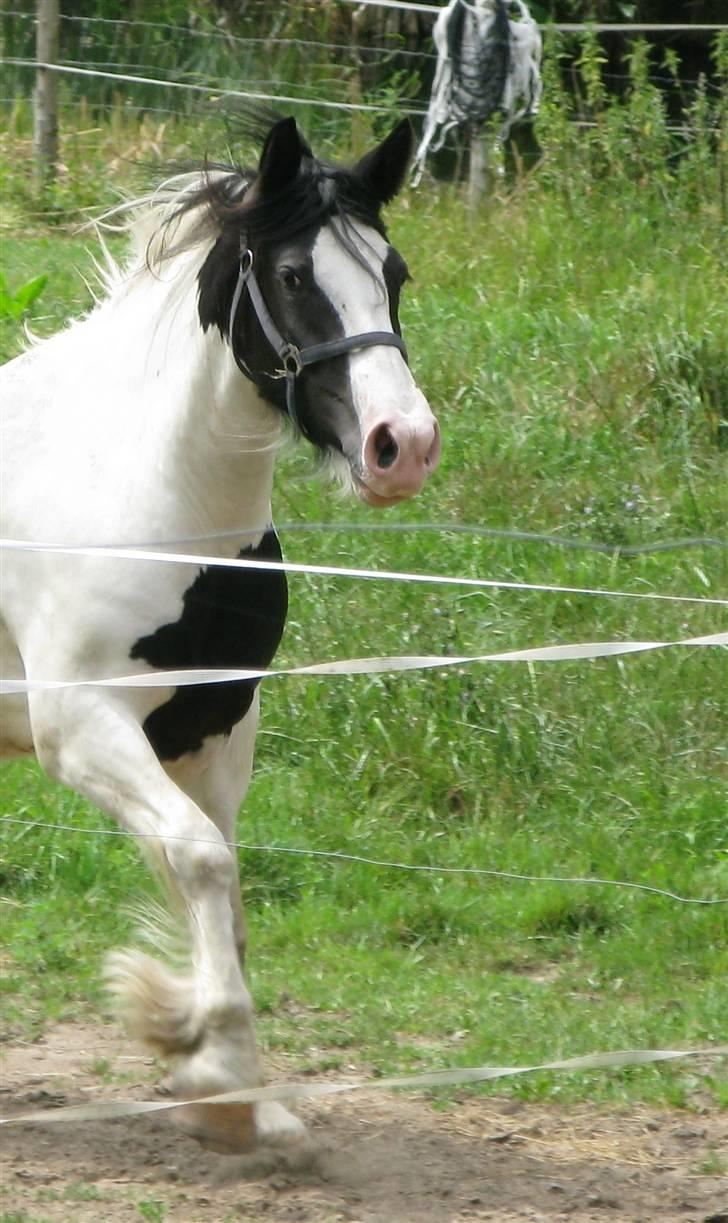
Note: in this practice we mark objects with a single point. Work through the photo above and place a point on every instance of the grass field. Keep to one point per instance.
(573, 342)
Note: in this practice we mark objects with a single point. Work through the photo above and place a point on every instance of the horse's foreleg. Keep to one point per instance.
(91, 740)
(219, 789)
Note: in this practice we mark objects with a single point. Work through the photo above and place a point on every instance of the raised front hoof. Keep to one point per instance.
(235, 1129)
(227, 1129)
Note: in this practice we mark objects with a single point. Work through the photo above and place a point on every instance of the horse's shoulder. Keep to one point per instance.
(231, 617)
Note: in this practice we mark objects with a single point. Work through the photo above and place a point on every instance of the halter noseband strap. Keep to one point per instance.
(294, 360)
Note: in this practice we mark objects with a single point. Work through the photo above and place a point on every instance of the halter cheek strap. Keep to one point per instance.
(293, 359)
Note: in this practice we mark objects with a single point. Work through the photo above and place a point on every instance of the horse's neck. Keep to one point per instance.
(204, 442)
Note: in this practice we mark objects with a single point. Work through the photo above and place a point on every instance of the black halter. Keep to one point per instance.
(294, 359)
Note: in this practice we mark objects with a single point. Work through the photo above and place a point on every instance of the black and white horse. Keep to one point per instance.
(249, 297)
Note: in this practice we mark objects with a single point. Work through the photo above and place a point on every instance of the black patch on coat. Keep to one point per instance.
(230, 618)
(395, 273)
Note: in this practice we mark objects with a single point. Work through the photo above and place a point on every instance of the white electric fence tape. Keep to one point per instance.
(578, 651)
(382, 575)
(108, 1110)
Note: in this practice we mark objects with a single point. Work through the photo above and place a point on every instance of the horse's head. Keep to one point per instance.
(305, 287)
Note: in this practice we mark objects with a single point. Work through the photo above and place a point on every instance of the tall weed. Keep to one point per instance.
(594, 136)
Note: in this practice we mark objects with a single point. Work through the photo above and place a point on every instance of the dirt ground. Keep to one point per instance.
(375, 1157)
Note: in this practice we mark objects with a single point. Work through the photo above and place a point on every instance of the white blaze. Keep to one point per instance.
(383, 388)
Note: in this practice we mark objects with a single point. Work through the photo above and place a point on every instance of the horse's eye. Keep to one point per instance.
(291, 280)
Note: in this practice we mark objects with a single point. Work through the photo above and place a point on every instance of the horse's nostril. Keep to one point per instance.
(386, 448)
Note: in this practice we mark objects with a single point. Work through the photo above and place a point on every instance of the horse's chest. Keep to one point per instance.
(230, 618)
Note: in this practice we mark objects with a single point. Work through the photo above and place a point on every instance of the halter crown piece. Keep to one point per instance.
(293, 359)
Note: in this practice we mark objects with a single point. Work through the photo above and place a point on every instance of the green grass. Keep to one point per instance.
(574, 347)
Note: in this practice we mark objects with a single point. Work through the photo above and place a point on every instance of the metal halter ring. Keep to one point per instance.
(291, 359)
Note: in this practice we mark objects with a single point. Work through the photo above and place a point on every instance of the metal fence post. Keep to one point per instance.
(46, 92)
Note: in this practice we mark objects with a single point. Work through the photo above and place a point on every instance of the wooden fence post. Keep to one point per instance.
(359, 126)
(479, 175)
(46, 93)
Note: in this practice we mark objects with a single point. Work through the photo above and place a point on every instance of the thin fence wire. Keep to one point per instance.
(113, 109)
(497, 534)
(101, 108)
(362, 860)
(228, 40)
(226, 87)
(362, 51)
(250, 95)
(656, 78)
(565, 26)
(132, 65)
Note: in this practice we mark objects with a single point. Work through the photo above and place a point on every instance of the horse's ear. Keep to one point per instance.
(281, 158)
(384, 169)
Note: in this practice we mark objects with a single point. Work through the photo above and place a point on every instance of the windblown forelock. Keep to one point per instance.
(228, 196)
